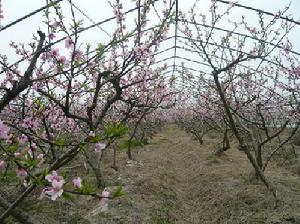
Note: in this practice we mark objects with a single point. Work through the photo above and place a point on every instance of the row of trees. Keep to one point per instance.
(73, 102)
(250, 87)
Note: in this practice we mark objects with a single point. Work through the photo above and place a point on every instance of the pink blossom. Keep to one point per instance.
(99, 147)
(51, 36)
(54, 52)
(41, 159)
(118, 12)
(253, 30)
(53, 176)
(21, 173)
(33, 146)
(68, 42)
(91, 134)
(287, 47)
(25, 183)
(104, 198)
(29, 122)
(78, 55)
(62, 60)
(30, 152)
(76, 84)
(142, 50)
(77, 183)
(2, 164)
(57, 185)
(17, 154)
(4, 131)
(22, 139)
(55, 24)
(56, 188)
(187, 31)
(296, 71)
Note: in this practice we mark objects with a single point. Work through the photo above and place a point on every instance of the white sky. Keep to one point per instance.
(99, 10)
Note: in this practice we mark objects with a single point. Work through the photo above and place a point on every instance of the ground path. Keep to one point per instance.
(179, 181)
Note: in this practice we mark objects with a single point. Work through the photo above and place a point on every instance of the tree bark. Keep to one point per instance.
(18, 213)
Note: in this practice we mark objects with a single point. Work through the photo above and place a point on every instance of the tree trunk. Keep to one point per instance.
(18, 213)
(235, 131)
(259, 157)
(226, 142)
(114, 166)
(129, 154)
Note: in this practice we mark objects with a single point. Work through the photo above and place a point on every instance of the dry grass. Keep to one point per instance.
(179, 181)
(182, 182)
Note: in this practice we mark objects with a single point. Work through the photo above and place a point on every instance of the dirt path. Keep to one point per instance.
(177, 181)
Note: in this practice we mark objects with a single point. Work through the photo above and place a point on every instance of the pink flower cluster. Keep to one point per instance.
(142, 50)
(253, 30)
(77, 182)
(287, 47)
(22, 139)
(21, 173)
(56, 188)
(296, 71)
(2, 164)
(69, 43)
(59, 122)
(4, 131)
(99, 147)
(29, 122)
(117, 10)
(104, 198)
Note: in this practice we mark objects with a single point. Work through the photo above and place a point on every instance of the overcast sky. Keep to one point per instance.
(99, 10)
